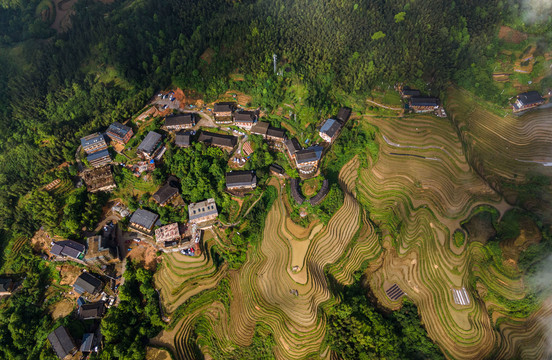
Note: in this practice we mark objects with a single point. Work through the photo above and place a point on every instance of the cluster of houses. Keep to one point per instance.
(61, 340)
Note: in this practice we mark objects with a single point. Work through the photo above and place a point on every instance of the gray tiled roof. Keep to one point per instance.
(87, 282)
(292, 145)
(180, 119)
(330, 127)
(61, 342)
(217, 139)
(98, 155)
(92, 139)
(150, 142)
(241, 178)
(183, 139)
(144, 218)
(306, 155)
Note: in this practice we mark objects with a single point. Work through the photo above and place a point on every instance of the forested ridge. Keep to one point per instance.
(56, 89)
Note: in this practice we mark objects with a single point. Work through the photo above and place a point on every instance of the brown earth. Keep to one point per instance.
(508, 34)
(62, 308)
(529, 235)
(69, 273)
(241, 98)
(144, 254)
(207, 55)
(157, 354)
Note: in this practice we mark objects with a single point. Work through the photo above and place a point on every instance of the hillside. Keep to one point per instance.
(255, 179)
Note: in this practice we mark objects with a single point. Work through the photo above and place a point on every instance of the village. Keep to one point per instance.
(122, 233)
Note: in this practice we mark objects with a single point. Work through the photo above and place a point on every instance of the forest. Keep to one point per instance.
(79, 81)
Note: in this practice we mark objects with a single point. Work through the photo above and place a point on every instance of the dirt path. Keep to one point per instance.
(384, 106)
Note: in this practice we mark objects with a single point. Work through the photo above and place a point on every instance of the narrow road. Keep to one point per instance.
(383, 106)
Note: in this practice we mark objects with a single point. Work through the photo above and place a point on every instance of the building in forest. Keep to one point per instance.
(150, 146)
(99, 158)
(119, 133)
(143, 221)
(245, 119)
(420, 104)
(238, 180)
(61, 342)
(202, 211)
(329, 130)
(527, 100)
(180, 121)
(226, 142)
(93, 143)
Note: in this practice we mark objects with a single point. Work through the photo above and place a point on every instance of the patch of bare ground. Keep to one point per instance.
(64, 10)
(157, 354)
(62, 308)
(68, 273)
(207, 55)
(508, 34)
(144, 254)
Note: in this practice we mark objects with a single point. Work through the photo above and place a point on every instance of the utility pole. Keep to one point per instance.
(274, 57)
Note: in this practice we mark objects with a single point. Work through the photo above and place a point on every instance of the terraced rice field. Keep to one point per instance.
(262, 291)
(504, 149)
(418, 192)
(413, 199)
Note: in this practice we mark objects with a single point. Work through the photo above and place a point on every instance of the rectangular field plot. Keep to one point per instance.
(394, 292)
(460, 296)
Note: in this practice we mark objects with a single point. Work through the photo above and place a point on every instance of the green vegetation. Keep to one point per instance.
(127, 327)
(261, 346)
(357, 330)
(24, 320)
(458, 237)
(249, 233)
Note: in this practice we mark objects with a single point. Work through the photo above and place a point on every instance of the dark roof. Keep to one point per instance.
(277, 133)
(306, 155)
(92, 139)
(87, 342)
(68, 248)
(5, 285)
(260, 128)
(245, 116)
(530, 98)
(61, 342)
(98, 155)
(143, 218)
(224, 107)
(292, 145)
(164, 193)
(217, 139)
(170, 243)
(410, 92)
(424, 101)
(330, 127)
(150, 142)
(87, 282)
(180, 119)
(343, 114)
(241, 178)
(183, 138)
(295, 192)
(94, 310)
(277, 169)
(324, 190)
(118, 130)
